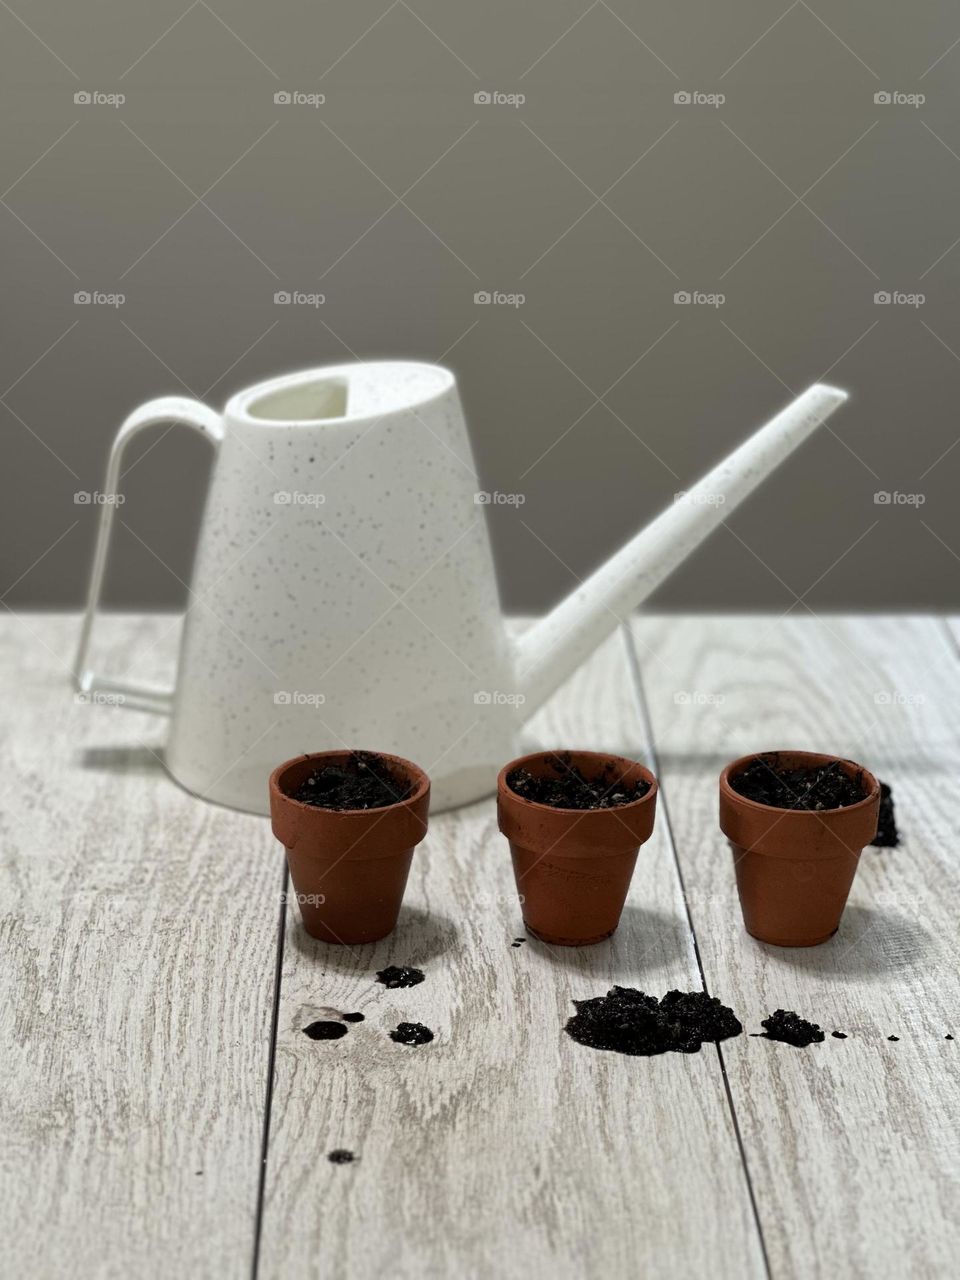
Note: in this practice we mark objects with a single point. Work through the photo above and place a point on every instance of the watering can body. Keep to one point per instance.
(344, 591)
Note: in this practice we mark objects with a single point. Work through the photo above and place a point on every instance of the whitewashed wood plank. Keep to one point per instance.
(503, 1148)
(853, 1145)
(139, 932)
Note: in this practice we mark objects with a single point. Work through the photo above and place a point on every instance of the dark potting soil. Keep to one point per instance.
(629, 1021)
(341, 1156)
(825, 786)
(838, 1035)
(948, 1037)
(790, 1028)
(413, 1033)
(325, 1030)
(569, 789)
(363, 782)
(352, 1017)
(400, 976)
(896, 1039)
(887, 837)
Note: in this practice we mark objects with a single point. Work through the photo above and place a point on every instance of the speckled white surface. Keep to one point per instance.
(363, 611)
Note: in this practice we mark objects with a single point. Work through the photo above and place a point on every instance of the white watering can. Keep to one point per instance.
(344, 590)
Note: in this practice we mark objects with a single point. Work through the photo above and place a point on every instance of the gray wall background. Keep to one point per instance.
(599, 198)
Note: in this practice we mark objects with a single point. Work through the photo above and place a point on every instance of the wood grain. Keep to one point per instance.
(852, 1145)
(503, 1148)
(139, 929)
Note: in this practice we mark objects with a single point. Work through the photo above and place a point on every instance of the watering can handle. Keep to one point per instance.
(178, 409)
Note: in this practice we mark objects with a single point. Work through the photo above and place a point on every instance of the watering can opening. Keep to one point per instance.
(345, 394)
(314, 401)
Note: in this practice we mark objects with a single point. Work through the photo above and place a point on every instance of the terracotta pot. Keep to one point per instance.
(348, 866)
(573, 866)
(795, 866)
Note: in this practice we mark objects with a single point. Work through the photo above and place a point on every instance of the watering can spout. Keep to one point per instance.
(552, 649)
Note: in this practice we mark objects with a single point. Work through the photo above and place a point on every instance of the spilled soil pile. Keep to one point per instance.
(790, 1028)
(629, 1021)
(887, 837)
(413, 1033)
(395, 976)
(325, 1030)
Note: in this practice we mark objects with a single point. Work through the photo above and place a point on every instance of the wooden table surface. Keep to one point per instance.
(163, 1114)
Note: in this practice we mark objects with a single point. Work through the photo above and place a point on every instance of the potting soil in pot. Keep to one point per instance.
(569, 789)
(629, 1021)
(825, 786)
(362, 782)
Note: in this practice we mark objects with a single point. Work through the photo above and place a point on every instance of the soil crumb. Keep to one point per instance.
(325, 1030)
(895, 1039)
(887, 837)
(825, 786)
(838, 1035)
(414, 1033)
(790, 1028)
(365, 781)
(353, 1017)
(569, 789)
(341, 1156)
(395, 976)
(629, 1021)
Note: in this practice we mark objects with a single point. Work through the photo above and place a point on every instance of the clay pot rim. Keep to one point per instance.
(503, 787)
(419, 780)
(806, 759)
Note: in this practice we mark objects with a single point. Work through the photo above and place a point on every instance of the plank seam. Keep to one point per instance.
(651, 752)
(271, 1065)
(953, 642)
